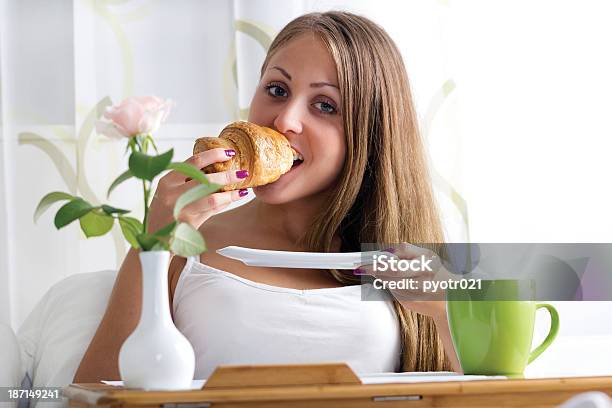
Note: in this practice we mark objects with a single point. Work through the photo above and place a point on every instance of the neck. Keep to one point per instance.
(288, 221)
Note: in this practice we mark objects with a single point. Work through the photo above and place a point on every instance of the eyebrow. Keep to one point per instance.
(313, 85)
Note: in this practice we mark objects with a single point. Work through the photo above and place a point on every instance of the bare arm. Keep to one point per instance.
(122, 314)
(437, 311)
(100, 361)
(119, 320)
(449, 348)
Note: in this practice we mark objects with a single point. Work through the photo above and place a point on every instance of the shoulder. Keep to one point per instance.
(214, 231)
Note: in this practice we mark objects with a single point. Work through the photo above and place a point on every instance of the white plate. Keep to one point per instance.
(288, 259)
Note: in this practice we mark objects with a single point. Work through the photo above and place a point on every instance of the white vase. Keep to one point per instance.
(156, 356)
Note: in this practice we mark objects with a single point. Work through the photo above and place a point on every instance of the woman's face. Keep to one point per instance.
(298, 96)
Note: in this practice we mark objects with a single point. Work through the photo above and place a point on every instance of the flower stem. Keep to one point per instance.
(135, 145)
(146, 206)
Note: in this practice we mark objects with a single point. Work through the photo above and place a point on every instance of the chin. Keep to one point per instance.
(276, 194)
(271, 195)
(283, 190)
(301, 182)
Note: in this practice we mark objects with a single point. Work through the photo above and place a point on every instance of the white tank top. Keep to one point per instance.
(232, 320)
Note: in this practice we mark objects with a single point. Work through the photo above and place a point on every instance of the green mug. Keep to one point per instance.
(492, 326)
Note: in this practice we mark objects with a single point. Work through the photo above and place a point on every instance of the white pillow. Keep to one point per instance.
(11, 372)
(57, 332)
(592, 399)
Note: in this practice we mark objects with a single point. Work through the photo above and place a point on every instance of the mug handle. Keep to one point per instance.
(554, 329)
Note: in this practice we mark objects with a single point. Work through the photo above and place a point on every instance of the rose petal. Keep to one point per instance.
(153, 118)
(126, 116)
(138, 114)
(109, 129)
(150, 121)
(166, 108)
(150, 103)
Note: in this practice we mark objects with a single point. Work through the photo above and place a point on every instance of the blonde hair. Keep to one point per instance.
(393, 202)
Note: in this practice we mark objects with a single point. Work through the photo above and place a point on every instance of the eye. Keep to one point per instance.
(276, 90)
(325, 107)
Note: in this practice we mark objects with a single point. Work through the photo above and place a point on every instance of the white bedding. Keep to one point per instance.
(57, 332)
(11, 370)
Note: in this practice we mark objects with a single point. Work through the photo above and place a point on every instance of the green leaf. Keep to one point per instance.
(139, 141)
(131, 228)
(160, 246)
(48, 200)
(71, 211)
(112, 210)
(192, 195)
(187, 241)
(145, 144)
(190, 171)
(153, 143)
(146, 167)
(124, 176)
(94, 224)
(146, 241)
(165, 231)
(131, 144)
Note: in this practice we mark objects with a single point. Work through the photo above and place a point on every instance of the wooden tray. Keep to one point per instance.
(335, 385)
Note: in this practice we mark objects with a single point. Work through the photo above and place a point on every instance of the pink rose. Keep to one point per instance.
(135, 115)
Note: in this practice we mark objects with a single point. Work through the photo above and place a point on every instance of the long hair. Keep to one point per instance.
(393, 202)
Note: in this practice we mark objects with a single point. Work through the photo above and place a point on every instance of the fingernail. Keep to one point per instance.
(359, 271)
(243, 192)
(230, 152)
(392, 250)
(242, 174)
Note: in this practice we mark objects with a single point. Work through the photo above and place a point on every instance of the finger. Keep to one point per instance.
(406, 250)
(200, 161)
(393, 273)
(365, 269)
(430, 261)
(176, 191)
(212, 204)
(228, 177)
(221, 178)
(389, 274)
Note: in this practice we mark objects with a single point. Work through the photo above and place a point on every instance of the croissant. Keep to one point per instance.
(265, 153)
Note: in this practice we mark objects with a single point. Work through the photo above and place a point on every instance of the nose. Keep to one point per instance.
(289, 119)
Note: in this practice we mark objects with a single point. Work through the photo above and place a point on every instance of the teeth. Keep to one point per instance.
(297, 156)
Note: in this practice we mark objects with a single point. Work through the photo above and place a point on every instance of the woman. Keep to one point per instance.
(335, 85)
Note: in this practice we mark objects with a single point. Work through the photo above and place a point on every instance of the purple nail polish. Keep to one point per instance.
(243, 192)
(391, 250)
(359, 271)
(242, 174)
(230, 152)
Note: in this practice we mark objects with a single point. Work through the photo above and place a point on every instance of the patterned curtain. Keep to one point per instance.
(63, 62)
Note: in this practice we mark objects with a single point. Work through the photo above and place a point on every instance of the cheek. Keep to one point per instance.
(332, 151)
(258, 113)
(339, 155)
